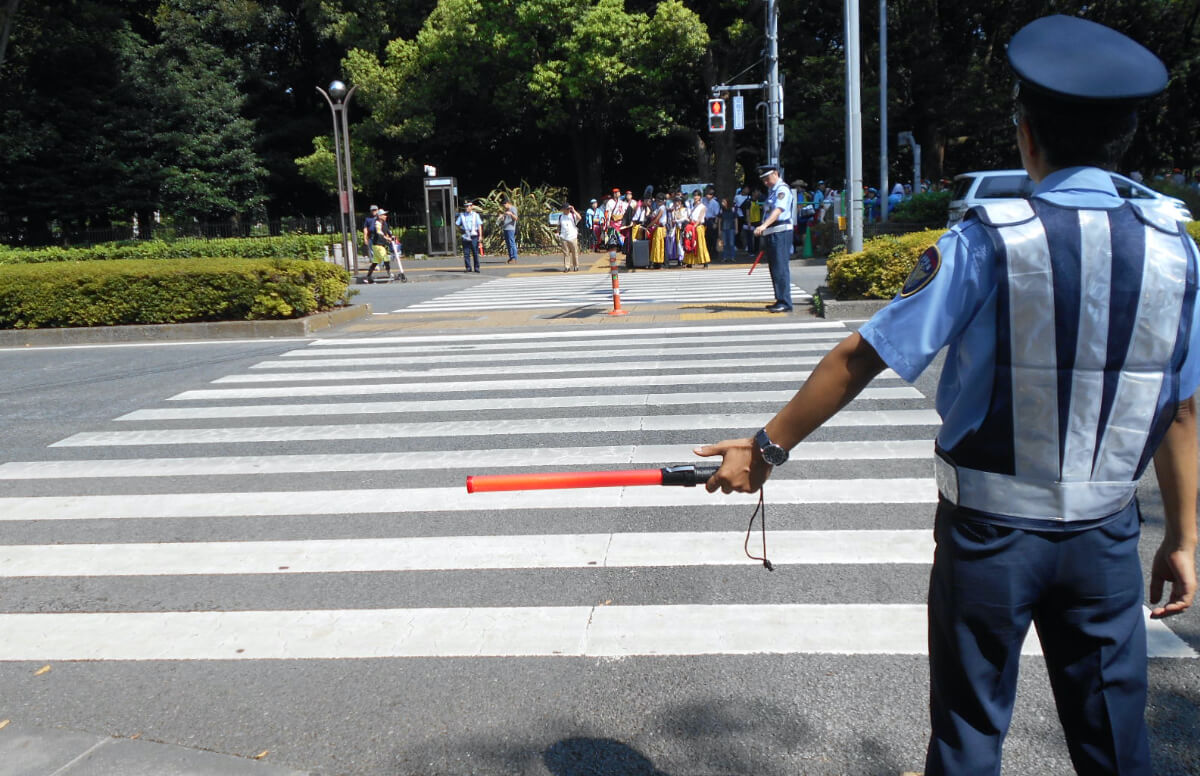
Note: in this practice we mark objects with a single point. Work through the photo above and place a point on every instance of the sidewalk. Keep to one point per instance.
(35, 751)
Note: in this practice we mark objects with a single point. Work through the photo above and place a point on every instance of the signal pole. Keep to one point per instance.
(774, 90)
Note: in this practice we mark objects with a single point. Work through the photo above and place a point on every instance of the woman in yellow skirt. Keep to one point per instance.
(656, 223)
(698, 213)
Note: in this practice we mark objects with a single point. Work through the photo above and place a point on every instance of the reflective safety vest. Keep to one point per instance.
(1094, 312)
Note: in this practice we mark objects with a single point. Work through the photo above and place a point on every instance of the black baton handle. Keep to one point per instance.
(689, 474)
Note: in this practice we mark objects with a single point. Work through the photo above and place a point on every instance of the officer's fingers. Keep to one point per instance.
(1156, 587)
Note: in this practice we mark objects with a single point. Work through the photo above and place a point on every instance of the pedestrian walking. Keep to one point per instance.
(1073, 356)
(381, 245)
(568, 234)
(508, 225)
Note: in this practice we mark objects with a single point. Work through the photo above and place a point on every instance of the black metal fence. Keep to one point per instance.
(12, 233)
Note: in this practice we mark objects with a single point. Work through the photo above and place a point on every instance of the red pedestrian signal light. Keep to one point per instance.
(716, 115)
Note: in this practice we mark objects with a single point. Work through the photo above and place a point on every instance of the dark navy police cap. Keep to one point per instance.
(1073, 59)
(766, 169)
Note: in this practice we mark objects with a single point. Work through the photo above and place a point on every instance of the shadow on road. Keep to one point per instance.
(597, 757)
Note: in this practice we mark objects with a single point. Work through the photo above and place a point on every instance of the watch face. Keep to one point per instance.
(774, 454)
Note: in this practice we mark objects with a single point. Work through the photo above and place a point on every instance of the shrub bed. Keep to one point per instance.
(880, 269)
(125, 292)
(292, 246)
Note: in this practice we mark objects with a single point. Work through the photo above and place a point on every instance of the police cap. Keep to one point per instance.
(766, 169)
(1075, 60)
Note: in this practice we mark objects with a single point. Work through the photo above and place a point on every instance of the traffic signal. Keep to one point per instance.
(716, 115)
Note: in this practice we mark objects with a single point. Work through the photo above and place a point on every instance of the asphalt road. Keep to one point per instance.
(683, 713)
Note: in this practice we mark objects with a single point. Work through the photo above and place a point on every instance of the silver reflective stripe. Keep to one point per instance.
(1034, 355)
(1040, 500)
(777, 227)
(1091, 350)
(1156, 327)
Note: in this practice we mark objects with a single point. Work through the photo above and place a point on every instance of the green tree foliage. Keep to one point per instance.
(569, 73)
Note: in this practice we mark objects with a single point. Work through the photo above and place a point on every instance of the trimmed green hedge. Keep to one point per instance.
(880, 269)
(124, 292)
(1193, 228)
(292, 246)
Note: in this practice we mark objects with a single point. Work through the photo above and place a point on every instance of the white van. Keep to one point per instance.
(977, 188)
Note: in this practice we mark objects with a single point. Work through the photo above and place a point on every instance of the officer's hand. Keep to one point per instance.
(742, 469)
(1176, 565)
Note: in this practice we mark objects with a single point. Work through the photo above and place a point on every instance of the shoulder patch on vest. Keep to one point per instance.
(1156, 218)
(1004, 213)
(927, 266)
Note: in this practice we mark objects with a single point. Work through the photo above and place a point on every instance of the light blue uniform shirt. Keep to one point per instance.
(780, 197)
(957, 308)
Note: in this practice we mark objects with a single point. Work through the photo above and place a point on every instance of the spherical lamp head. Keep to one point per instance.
(337, 90)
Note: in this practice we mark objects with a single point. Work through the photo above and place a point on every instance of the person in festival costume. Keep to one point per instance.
(697, 215)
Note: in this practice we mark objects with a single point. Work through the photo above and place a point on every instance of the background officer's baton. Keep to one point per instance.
(686, 474)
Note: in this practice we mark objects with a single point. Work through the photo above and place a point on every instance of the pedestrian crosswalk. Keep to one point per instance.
(347, 458)
(578, 290)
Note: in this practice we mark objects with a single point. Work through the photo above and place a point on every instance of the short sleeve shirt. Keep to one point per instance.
(955, 307)
(780, 197)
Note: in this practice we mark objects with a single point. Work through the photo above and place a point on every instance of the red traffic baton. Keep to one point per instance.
(688, 475)
(755, 264)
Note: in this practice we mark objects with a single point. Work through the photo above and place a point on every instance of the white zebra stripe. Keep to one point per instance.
(519, 384)
(309, 362)
(561, 631)
(591, 367)
(413, 500)
(434, 460)
(476, 427)
(512, 403)
(459, 553)
(500, 339)
(632, 344)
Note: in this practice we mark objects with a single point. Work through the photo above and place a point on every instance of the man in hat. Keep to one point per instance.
(368, 227)
(776, 229)
(470, 228)
(1074, 353)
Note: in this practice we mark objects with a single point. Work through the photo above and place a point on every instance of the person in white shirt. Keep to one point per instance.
(568, 233)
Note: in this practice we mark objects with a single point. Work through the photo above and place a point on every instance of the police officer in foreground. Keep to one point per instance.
(1074, 353)
(776, 228)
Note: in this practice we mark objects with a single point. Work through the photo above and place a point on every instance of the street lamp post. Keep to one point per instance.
(338, 98)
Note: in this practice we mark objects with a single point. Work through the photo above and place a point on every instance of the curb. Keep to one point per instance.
(851, 309)
(173, 332)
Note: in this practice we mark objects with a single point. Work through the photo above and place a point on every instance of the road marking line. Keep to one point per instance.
(311, 362)
(632, 344)
(521, 384)
(413, 500)
(496, 338)
(461, 553)
(590, 367)
(556, 631)
(439, 460)
(478, 427)
(334, 409)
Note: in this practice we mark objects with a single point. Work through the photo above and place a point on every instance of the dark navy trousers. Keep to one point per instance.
(1083, 592)
(778, 249)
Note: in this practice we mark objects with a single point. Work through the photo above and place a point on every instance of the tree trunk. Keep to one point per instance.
(9, 13)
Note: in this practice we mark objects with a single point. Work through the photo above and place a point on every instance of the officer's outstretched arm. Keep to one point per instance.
(840, 376)
(1175, 562)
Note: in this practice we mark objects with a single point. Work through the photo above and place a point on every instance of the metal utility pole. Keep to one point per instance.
(774, 90)
(338, 98)
(883, 112)
(854, 203)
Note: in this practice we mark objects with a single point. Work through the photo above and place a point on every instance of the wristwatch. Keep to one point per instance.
(772, 453)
